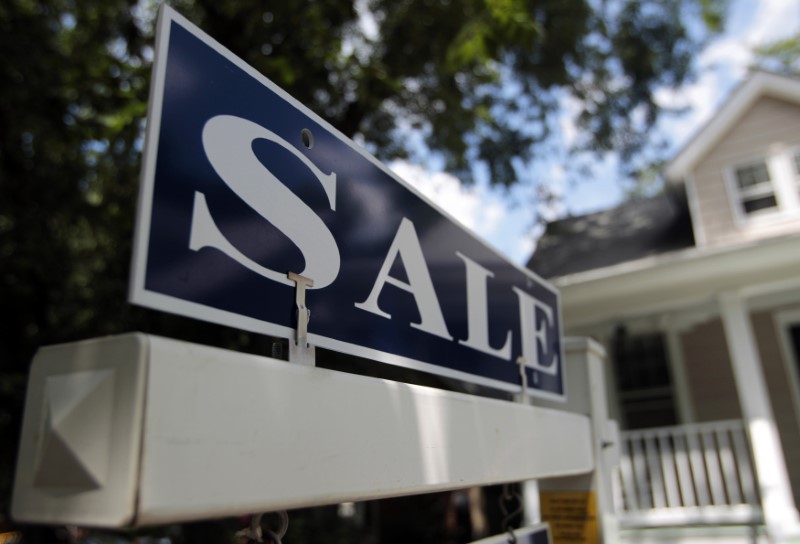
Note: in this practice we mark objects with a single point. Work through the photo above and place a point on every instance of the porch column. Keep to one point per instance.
(587, 500)
(780, 514)
(677, 362)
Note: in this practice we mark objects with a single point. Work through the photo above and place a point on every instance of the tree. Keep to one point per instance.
(479, 80)
(782, 56)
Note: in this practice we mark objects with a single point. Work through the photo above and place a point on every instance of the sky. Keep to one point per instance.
(507, 225)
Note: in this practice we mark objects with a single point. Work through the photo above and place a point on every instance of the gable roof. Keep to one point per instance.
(628, 232)
(757, 85)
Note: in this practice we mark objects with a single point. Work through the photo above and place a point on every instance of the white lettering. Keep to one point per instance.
(406, 246)
(533, 337)
(478, 312)
(228, 143)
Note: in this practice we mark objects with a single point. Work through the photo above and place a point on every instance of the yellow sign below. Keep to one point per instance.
(572, 516)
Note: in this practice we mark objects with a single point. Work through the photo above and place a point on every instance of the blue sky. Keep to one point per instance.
(721, 66)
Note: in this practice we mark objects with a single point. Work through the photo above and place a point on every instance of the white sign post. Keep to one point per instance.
(140, 430)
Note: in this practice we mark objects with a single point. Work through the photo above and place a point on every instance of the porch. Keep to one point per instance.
(699, 475)
(689, 343)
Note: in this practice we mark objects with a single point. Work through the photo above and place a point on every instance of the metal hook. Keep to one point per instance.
(303, 314)
(512, 538)
(299, 349)
(272, 537)
(284, 515)
(523, 378)
(251, 533)
(506, 497)
(255, 533)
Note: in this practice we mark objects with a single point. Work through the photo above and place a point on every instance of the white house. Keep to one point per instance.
(696, 296)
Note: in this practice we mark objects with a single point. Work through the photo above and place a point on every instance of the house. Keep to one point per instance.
(695, 295)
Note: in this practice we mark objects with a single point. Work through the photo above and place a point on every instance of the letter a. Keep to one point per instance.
(406, 246)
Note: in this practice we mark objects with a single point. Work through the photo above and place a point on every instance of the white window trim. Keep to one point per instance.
(783, 321)
(698, 228)
(792, 188)
(783, 182)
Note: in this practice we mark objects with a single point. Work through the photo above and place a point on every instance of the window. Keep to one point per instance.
(643, 380)
(766, 188)
(788, 325)
(793, 333)
(797, 173)
(754, 187)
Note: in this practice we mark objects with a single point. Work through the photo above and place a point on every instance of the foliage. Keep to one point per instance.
(782, 56)
(479, 80)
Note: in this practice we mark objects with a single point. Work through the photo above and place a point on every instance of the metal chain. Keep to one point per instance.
(256, 534)
(271, 537)
(505, 499)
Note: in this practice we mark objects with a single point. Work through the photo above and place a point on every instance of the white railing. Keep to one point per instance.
(687, 475)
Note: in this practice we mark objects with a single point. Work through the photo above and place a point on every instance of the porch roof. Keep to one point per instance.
(679, 279)
(629, 232)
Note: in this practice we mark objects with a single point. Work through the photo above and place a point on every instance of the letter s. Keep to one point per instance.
(228, 143)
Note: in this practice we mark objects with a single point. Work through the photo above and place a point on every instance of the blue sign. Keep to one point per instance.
(241, 184)
(534, 534)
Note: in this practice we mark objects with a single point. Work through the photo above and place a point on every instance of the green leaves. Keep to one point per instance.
(781, 55)
(497, 25)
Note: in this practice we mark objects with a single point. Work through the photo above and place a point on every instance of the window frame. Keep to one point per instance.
(784, 321)
(635, 400)
(739, 195)
(794, 161)
(783, 185)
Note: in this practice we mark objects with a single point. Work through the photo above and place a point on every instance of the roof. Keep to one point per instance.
(657, 225)
(634, 230)
(680, 279)
(757, 85)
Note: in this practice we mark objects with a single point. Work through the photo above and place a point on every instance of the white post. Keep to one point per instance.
(586, 394)
(780, 513)
(138, 430)
(680, 382)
